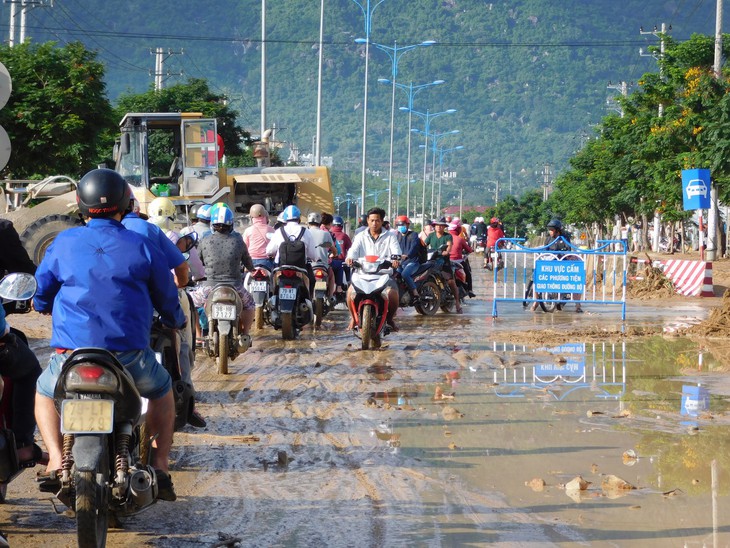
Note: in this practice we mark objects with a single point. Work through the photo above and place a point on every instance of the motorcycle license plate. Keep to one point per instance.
(87, 416)
(320, 286)
(288, 293)
(221, 311)
(259, 286)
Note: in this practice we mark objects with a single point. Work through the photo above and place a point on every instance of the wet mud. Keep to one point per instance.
(530, 429)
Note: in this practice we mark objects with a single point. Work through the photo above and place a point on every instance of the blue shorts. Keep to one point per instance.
(151, 379)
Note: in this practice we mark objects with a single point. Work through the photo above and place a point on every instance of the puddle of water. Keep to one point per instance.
(638, 411)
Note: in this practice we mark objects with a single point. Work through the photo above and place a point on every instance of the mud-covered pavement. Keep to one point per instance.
(460, 431)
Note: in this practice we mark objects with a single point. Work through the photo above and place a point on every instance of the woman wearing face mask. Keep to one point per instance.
(414, 253)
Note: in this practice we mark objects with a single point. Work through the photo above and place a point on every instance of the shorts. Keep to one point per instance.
(201, 292)
(150, 378)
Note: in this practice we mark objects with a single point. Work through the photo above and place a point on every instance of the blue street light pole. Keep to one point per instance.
(368, 13)
(442, 152)
(435, 137)
(411, 92)
(395, 54)
(427, 118)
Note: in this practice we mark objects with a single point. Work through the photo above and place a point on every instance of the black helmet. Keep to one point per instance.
(102, 193)
(556, 224)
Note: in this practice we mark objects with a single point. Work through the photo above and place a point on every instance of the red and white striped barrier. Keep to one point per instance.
(690, 278)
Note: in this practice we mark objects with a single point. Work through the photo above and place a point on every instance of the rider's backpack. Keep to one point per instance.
(292, 251)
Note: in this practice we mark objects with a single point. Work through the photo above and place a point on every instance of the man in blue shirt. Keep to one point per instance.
(100, 283)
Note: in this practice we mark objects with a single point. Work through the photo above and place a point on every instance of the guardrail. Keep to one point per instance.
(559, 273)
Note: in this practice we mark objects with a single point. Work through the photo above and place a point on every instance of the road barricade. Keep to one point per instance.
(553, 278)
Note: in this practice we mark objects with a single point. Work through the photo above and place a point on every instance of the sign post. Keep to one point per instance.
(696, 184)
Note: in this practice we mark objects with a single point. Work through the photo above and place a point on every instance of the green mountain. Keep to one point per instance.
(528, 78)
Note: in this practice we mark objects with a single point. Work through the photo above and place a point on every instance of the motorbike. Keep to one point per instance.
(493, 259)
(290, 305)
(321, 300)
(223, 308)
(368, 307)
(448, 301)
(258, 284)
(429, 293)
(481, 244)
(106, 473)
(166, 345)
(16, 290)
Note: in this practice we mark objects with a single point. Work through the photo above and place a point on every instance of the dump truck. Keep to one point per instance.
(190, 144)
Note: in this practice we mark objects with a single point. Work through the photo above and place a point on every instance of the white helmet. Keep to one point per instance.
(314, 217)
(161, 207)
(257, 210)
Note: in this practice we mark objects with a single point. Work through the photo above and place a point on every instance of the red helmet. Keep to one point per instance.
(493, 220)
(402, 220)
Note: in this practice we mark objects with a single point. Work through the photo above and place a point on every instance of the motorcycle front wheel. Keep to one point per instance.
(429, 297)
(92, 504)
(222, 358)
(367, 326)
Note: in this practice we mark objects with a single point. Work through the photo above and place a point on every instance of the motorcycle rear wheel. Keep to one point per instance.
(222, 358)
(318, 311)
(92, 505)
(429, 297)
(287, 326)
(367, 326)
(259, 317)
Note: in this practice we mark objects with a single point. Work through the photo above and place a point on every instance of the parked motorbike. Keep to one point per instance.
(258, 284)
(15, 289)
(223, 309)
(291, 307)
(368, 307)
(321, 300)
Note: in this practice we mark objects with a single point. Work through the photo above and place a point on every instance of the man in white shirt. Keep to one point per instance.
(291, 217)
(383, 243)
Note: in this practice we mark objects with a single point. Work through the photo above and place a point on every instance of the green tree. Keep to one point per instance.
(58, 111)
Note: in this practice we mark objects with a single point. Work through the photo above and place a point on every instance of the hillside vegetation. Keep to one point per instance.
(528, 78)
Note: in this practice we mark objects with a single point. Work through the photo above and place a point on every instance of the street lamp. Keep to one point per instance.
(427, 118)
(395, 54)
(442, 152)
(411, 92)
(368, 13)
(435, 137)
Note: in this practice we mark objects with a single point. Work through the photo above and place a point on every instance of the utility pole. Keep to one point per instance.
(160, 58)
(714, 213)
(25, 5)
(545, 182)
(657, 215)
(623, 88)
(263, 68)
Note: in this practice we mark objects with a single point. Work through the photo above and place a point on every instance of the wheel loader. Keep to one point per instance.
(191, 145)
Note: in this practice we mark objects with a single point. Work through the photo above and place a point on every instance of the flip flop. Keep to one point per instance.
(48, 482)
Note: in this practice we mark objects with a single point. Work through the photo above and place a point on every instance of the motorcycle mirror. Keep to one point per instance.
(187, 242)
(18, 286)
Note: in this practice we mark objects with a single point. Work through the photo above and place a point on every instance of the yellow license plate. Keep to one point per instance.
(87, 416)
(320, 285)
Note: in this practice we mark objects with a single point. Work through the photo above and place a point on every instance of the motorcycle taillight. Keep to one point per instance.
(320, 274)
(260, 274)
(91, 377)
(287, 273)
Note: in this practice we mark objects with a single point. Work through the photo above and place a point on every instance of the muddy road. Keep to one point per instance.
(459, 431)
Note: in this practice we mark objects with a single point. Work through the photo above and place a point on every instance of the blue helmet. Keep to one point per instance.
(338, 221)
(203, 213)
(221, 214)
(291, 213)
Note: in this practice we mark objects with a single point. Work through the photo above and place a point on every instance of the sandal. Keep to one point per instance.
(48, 482)
(38, 457)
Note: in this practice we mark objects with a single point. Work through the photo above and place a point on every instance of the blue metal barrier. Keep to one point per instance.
(554, 277)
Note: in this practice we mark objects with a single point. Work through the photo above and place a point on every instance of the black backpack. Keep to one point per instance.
(293, 252)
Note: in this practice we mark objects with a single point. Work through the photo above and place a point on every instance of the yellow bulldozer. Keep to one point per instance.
(194, 177)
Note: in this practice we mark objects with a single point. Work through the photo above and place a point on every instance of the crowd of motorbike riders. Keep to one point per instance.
(102, 283)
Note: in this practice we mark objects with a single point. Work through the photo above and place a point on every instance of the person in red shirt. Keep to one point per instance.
(494, 233)
(459, 247)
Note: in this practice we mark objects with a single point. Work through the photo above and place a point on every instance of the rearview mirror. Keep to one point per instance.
(18, 286)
